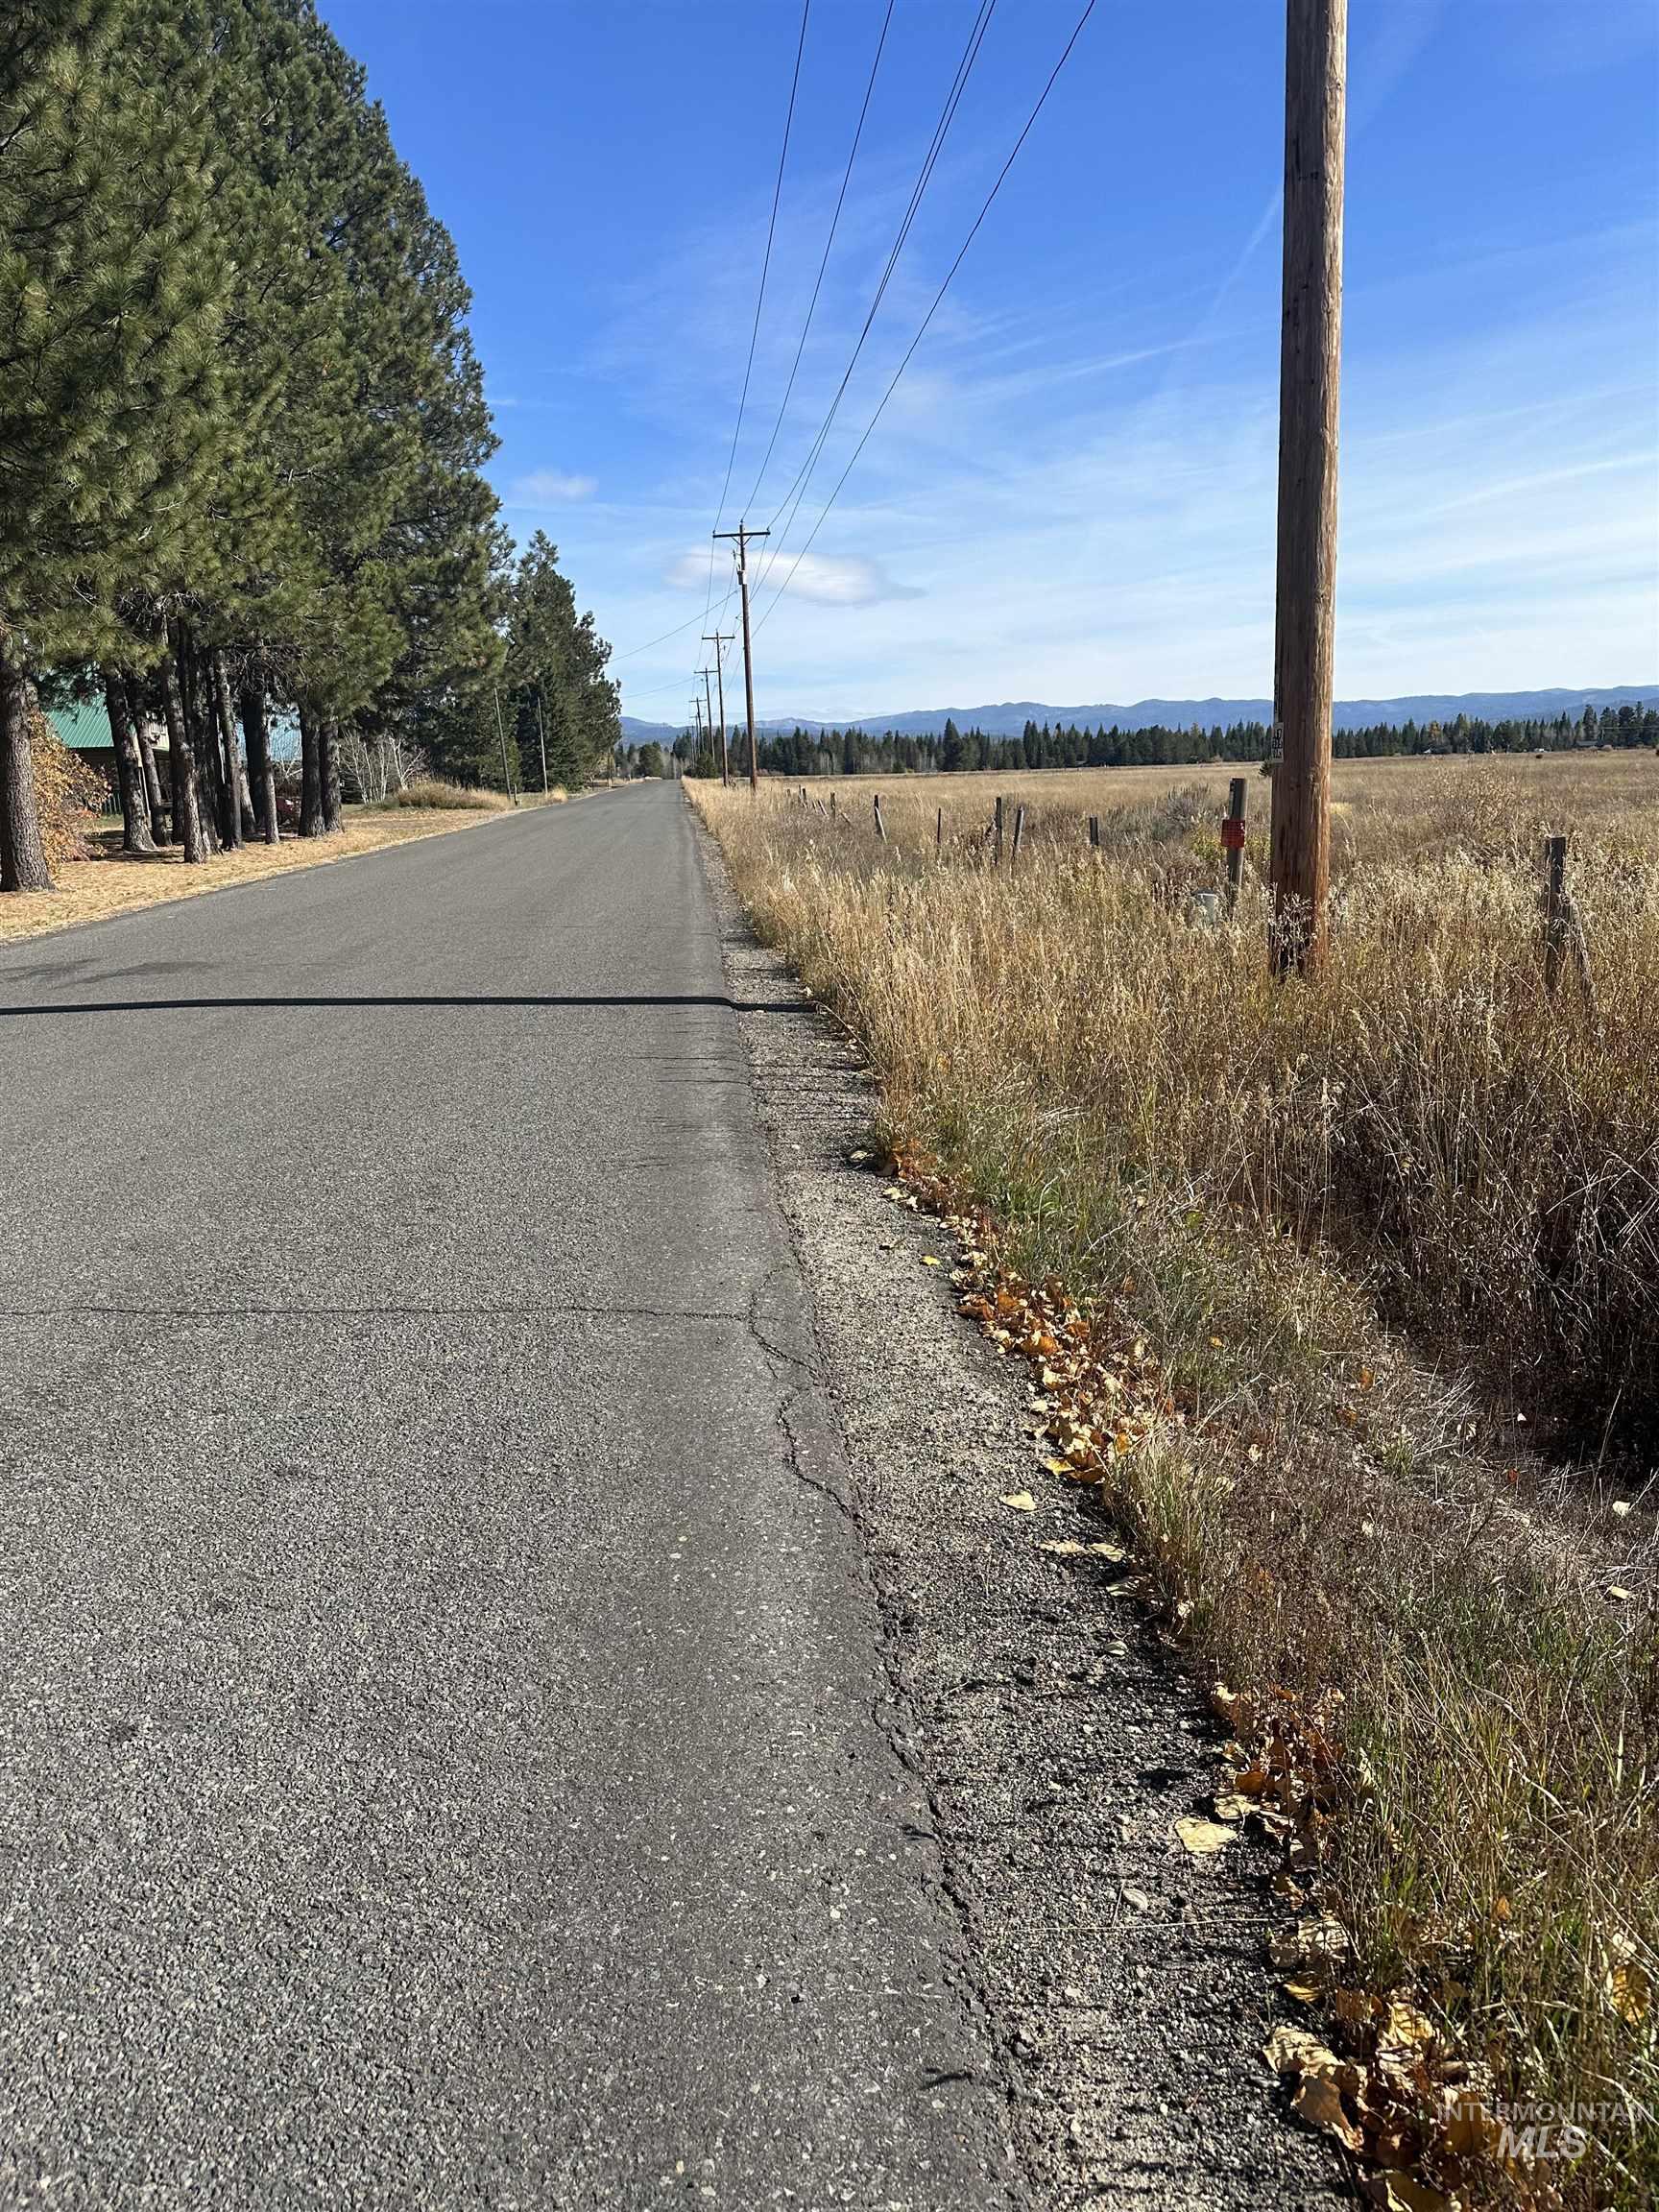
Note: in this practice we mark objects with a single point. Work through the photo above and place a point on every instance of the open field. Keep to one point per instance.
(1386, 1233)
(115, 882)
(1379, 809)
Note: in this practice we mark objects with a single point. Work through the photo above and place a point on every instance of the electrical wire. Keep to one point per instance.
(1024, 133)
(823, 264)
(797, 490)
(680, 628)
(766, 263)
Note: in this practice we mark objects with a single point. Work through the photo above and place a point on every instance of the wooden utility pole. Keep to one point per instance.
(720, 640)
(501, 733)
(743, 534)
(709, 711)
(1310, 376)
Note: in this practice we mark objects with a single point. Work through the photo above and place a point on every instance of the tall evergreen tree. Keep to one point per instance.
(555, 661)
(109, 307)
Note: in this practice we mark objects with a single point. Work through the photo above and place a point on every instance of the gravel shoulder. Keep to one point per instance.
(1051, 1730)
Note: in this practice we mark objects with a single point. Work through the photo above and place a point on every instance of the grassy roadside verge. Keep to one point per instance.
(114, 883)
(1440, 1658)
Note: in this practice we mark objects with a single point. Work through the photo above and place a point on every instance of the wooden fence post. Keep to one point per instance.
(939, 833)
(1554, 908)
(1094, 832)
(1233, 837)
(881, 825)
(831, 806)
(1564, 925)
(1018, 832)
(996, 837)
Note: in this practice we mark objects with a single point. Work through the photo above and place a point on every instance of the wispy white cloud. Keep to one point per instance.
(823, 579)
(548, 487)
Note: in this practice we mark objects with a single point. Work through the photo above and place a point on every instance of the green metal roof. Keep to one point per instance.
(83, 724)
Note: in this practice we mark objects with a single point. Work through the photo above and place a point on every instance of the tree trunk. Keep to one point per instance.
(198, 705)
(135, 834)
(328, 761)
(161, 713)
(187, 827)
(310, 774)
(140, 700)
(22, 856)
(238, 817)
(261, 772)
(138, 707)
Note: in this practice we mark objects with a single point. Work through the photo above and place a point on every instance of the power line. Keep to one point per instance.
(634, 651)
(797, 490)
(834, 224)
(765, 265)
(978, 219)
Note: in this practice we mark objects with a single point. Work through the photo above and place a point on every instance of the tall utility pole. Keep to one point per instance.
(1310, 376)
(707, 706)
(719, 639)
(743, 534)
(501, 733)
(541, 732)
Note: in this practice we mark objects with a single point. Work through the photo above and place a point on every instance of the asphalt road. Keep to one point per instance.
(440, 1753)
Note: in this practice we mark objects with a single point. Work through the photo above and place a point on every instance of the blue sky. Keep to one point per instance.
(1070, 496)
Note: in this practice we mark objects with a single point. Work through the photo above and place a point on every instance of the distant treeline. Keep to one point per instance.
(859, 753)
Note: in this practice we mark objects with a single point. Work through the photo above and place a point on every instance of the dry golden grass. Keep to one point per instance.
(116, 882)
(1422, 1137)
(1382, 808)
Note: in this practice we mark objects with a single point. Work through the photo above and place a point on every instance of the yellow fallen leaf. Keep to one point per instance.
(1620, 1596)
(1203, 1836)
(1058, 1466)
(1620, 1507)
(1396, 2192)
(1628, 1985)
(1304, 1992)
(1021, 1500)
(1317, 2101)
(1062, 1546)
(1406, 2028)
(928, 1260)
(1293, 2051)
(1233, 1805)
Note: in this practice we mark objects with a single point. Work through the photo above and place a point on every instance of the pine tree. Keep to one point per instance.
(109, 300)
(557, 661)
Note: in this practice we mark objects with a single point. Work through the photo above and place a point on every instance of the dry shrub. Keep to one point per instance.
(67, 793)
(431, 791)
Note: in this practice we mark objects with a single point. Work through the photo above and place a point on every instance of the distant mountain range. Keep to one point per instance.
(1010, 718)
